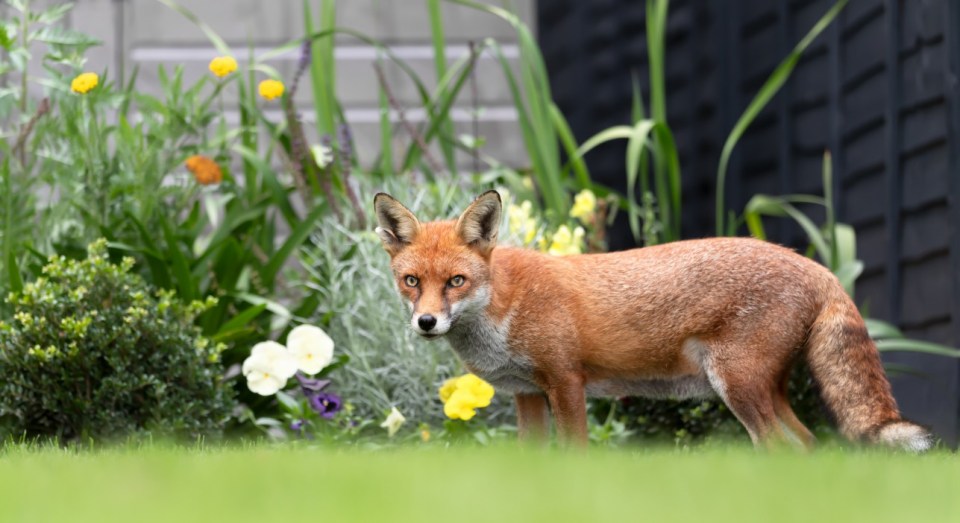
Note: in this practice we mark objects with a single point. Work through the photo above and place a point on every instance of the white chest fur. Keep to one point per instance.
(483, 347)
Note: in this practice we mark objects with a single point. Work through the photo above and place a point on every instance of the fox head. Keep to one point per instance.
(442, 268)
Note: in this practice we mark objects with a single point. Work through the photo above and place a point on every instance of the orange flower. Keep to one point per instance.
(205, 170)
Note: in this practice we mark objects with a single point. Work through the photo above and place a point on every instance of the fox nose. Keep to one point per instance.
(427, 322)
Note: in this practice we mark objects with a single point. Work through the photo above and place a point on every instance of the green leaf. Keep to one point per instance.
(52, 14)
(242, 319)
(879, 329)
(13, 273)
(59, 36)
(295, 240)
(924, 347)
(181, 268)
(290, 404)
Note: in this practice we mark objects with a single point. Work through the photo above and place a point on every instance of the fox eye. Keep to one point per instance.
(411, 281)
(457, 281)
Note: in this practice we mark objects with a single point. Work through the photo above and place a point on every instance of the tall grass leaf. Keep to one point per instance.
(208, 31)
(569, 143)
(669, 163)
(295, 240)
(636, 146)
(241, 320)
(769, 89)
(439, 107)
(636, 103)
(181, 267)
(908, 345)
(13, 273)
(435, 12)
(656, 34)
(880, 329)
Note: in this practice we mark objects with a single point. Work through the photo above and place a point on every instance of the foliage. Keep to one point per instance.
(95, 352)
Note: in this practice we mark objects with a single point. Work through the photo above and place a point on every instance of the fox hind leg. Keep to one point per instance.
(789, 418)
(752, 396)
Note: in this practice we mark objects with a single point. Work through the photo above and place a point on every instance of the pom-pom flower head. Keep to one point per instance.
(205, 170)
(222, 66)
(84, 83)
(270, 89)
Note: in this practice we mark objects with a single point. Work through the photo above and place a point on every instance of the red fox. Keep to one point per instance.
(722, 317)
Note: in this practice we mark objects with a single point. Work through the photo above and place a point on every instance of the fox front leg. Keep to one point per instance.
(533, 417)
(568, 402)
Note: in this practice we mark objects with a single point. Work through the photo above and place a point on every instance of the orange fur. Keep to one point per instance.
(720, 316)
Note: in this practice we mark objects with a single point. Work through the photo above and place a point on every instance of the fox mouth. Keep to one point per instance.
(430, 335)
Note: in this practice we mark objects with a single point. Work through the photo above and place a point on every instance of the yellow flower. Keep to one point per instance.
(270, 89)
(83, 83)
(566, 242)
(222, 66)
(425, 435)
(447, 389)
(520, 221)
(461, 405)
(481, 391)
(584, 205)
(462, 396)
(205, 170)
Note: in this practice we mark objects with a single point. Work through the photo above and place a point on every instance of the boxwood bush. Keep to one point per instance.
(94, 352)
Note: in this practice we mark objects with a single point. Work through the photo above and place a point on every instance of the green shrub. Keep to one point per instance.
(92, 352)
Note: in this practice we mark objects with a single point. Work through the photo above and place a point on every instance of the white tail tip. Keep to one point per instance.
(907, 436)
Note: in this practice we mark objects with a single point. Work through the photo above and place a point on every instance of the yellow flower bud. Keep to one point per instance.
(222, 66)
(270, 89)
(83, 83)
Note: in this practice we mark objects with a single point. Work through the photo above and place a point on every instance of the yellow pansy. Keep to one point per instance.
(222, 66)
(584, 205)
(461, 405)
(481, 391)
(463, 395)
(447, 389)
(83, 83)
(270, 89)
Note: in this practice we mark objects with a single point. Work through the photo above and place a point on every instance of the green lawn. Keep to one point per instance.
(267, 484)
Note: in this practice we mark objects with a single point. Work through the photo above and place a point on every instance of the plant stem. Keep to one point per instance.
(24, 29)
(434, 164)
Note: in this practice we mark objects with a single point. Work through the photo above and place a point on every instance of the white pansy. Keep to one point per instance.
(393, 422)
(268, 368)
(310, 347)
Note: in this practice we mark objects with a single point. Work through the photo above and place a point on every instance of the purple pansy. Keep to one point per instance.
(326, 404)
(311, 384)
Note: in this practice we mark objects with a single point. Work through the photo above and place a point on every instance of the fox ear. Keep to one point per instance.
(398, 226)
(480, 223)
